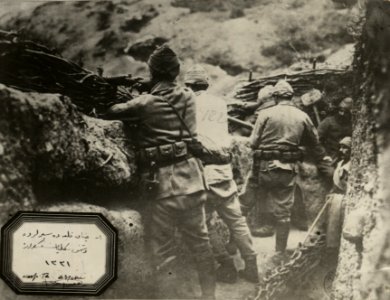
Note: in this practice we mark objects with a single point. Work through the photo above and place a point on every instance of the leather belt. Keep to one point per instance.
(283, 156)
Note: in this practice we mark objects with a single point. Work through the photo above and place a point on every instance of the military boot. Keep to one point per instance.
(282, 232)
(250, 273)
(263, 231)
(207, 278)
(166, 280)
(267, 228)
(227, 272)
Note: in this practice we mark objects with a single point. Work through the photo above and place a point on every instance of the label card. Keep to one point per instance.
(71, 253)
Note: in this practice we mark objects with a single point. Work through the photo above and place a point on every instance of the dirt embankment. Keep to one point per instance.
(363, 266)
(54, 158)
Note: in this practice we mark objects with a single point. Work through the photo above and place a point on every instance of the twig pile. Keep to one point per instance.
(302, 82)
(31, 67)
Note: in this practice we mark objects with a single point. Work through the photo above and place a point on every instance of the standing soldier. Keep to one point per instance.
(171, 176)
(264, 100)
(264, 220)
(276, 140)
(222, 197)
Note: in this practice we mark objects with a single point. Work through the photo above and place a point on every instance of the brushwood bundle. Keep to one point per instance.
(325, 80)
(31, 67)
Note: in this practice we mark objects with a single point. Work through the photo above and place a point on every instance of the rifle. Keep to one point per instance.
(29, 66)
(138, 83)
(241, 123)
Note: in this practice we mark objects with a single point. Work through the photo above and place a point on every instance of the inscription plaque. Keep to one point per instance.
(70, 253)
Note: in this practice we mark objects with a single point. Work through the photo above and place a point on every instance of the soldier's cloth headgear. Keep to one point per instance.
(265, 94)
(164, 61)
(347, 141)
(283, 89)
(196, 75)
(346, 103)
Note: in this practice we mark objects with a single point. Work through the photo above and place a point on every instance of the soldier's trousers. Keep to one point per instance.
(274, 189)
(230, 212)
(185, 213)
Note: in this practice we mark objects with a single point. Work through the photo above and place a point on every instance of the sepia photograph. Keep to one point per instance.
(195, 149)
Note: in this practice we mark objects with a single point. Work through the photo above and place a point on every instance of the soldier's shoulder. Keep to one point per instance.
(184, 92)
(145, 97)
(299, 113)
(149, 98)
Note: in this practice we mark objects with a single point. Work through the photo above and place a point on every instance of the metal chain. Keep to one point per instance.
(295, 272)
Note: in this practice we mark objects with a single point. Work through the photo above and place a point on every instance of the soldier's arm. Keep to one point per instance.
(128, 111)
(251, 106)
(323, 129)
(311, 140)
(257, 131)
(248, 106)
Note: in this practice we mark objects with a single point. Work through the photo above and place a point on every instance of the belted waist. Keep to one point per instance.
(287, 156)
(163, 155)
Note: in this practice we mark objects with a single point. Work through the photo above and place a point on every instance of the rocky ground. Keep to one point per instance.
(262, 36)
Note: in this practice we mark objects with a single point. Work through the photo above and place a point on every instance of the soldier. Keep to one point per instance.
(264, 220)
(280, 132)
(333, 128)
(341, 173)
(222, 197)
(336, 206)
(172, 178)
(264, 100)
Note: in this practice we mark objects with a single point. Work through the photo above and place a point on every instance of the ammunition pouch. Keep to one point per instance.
(284, 156)
(152, 158)
(163, 155)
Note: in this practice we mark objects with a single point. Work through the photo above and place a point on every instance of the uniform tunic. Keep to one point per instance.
(179, 200)
(158, 125)
(273, 182)
(331, 130)
(212, 126)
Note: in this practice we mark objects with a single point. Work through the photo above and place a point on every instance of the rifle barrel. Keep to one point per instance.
(241, 123)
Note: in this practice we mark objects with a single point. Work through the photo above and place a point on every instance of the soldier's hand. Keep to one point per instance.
(142, 84)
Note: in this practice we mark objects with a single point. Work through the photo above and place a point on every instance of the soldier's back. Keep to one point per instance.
(283, 124)
(159, 123)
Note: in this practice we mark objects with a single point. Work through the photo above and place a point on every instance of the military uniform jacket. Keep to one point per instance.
(331, 130)
(212, 125)
(285, 125)
(159, 125)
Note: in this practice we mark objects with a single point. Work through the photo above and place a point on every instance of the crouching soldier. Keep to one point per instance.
(280, 132)
(172, 178)
(335, 198)
(211, 115)
(333, 128)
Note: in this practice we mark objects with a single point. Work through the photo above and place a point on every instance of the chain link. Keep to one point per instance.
(295, 272)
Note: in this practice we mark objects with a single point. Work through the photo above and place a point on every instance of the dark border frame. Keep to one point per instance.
(95, 289)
